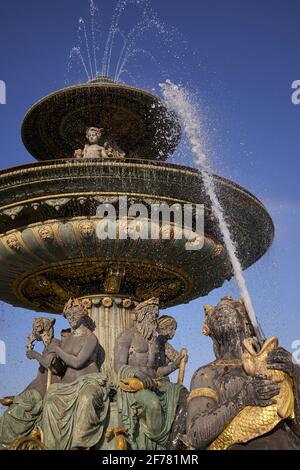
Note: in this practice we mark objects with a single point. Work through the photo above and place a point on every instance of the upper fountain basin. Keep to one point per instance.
(136, 120)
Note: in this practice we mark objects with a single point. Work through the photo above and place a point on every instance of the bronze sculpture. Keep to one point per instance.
(93, 149)
(234, 402)
(146, 400)
(169, 357)
(75, 410)
(25, 410)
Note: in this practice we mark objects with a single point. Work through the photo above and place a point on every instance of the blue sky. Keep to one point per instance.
(239, 58)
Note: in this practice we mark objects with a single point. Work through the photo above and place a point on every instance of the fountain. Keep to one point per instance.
(49, 248)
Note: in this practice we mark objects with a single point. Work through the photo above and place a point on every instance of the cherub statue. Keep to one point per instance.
(249, 397)
(81, 399)
(170, 359)
(144, 396)
(24, 412)
(94, 149)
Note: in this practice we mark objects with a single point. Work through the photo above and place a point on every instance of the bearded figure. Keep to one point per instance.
(148, 402)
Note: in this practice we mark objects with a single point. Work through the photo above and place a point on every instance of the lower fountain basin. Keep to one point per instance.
(49, 249)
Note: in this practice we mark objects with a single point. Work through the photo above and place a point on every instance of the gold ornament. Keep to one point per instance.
(131, 385)
(203, 392)
(83, 304)
(119, 435)
(46, 233)
(218, 250)
(86, 229)
(107, 302)
(127, 303)
(13, 243)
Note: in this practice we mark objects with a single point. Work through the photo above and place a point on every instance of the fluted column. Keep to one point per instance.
(112, 315)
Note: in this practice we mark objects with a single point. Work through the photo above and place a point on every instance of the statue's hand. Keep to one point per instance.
(52, 348)
(148, 382)
(183, 353)
(281, 359)
(31, 354)
(260, 391)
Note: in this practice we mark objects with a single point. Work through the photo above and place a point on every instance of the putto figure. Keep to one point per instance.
(94, 149)
(249, 397)
(147, 402)
(75, 410)
(25, 410)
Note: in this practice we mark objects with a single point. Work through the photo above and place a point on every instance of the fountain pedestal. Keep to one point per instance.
(112, 315)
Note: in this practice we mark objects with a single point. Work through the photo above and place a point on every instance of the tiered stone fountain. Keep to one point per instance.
(49, 249)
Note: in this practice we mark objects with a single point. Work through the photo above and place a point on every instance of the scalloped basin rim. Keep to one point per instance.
(129, 161)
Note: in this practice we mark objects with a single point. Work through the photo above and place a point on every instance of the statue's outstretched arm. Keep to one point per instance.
(86, 352)
(45, 359)
(164, 371)
(171, 353)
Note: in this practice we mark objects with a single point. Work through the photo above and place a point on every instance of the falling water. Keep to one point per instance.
(93, 12)
(148, 22)
(179, 101)
(128, 56)
(124, 50)
(128, 43)
(82, 25)
(111, 36)
(130, 75)
(76, 51)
